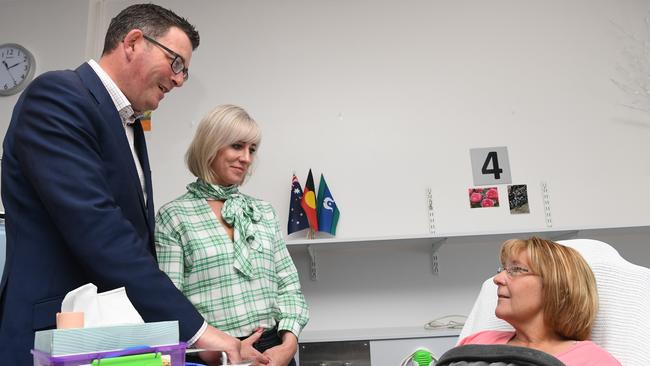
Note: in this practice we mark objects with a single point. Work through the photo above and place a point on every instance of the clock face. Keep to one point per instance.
(17, 68)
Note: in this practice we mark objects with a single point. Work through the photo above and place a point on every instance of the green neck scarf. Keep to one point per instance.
(238, 211)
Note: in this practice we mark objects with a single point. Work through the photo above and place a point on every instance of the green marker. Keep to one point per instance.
(146, 359)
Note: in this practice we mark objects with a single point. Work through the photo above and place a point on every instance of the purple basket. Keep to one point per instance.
(176, 351)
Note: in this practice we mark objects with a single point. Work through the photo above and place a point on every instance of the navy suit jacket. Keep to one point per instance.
(75, 212)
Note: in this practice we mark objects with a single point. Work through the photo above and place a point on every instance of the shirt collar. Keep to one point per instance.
(122, 104)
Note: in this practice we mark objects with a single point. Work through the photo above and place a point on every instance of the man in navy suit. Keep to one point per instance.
(76, 185)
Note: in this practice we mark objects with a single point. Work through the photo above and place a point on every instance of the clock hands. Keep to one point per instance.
(12, 66)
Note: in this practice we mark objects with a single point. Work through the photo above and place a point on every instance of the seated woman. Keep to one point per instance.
(548, 293)
(224, 249)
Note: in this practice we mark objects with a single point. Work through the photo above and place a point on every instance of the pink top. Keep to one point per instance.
(582, 353)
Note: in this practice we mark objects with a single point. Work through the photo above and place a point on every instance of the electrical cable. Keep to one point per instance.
(446, 322)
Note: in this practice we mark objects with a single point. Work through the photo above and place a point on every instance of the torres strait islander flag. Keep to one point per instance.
(328, 212)
(308, 202)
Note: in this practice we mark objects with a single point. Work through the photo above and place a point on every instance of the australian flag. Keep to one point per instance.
(297, 218)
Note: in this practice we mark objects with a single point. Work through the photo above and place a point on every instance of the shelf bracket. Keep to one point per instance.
(313, 269)
(437, 243)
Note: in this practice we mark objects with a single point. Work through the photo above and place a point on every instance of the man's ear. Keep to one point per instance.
(132, 40)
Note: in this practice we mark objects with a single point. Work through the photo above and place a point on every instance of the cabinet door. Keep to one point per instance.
(392, 352)
(353, 353)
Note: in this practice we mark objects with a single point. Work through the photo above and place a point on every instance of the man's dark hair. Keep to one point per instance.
(151, 19)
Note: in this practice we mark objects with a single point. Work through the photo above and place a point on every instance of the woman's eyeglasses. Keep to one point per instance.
(514, 271)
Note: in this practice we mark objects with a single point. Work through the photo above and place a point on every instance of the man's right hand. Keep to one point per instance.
(215, 340)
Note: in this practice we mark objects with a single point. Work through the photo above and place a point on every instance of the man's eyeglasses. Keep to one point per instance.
(178, 64)
(514, 271)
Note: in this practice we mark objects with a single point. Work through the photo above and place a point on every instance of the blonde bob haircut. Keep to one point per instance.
(223, 126)
(568, 285)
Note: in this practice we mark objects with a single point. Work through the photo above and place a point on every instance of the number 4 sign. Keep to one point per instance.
(490, 165)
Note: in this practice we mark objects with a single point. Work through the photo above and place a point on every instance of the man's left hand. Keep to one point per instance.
(282, 354)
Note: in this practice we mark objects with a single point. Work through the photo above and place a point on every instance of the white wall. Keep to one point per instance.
(386, 98)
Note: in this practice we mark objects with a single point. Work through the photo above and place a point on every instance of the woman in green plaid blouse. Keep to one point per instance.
(225, 250)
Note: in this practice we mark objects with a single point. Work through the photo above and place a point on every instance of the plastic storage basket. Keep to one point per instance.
(176, 352)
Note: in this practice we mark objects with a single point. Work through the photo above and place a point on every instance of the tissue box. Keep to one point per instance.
(176, 353)
(61, 342)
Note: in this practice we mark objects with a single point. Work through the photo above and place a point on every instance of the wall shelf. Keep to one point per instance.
(436, 240)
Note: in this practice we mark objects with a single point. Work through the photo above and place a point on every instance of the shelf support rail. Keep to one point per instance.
(437, 243)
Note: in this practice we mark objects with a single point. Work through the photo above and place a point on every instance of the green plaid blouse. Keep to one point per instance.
(195, 251)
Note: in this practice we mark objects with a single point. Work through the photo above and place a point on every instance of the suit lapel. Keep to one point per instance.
(112, 118)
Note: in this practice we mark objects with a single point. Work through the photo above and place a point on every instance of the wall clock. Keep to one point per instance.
(17, 66)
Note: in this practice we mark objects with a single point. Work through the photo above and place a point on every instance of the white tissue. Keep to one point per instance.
(104, 309)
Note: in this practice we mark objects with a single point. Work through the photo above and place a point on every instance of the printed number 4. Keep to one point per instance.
(492, 157)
